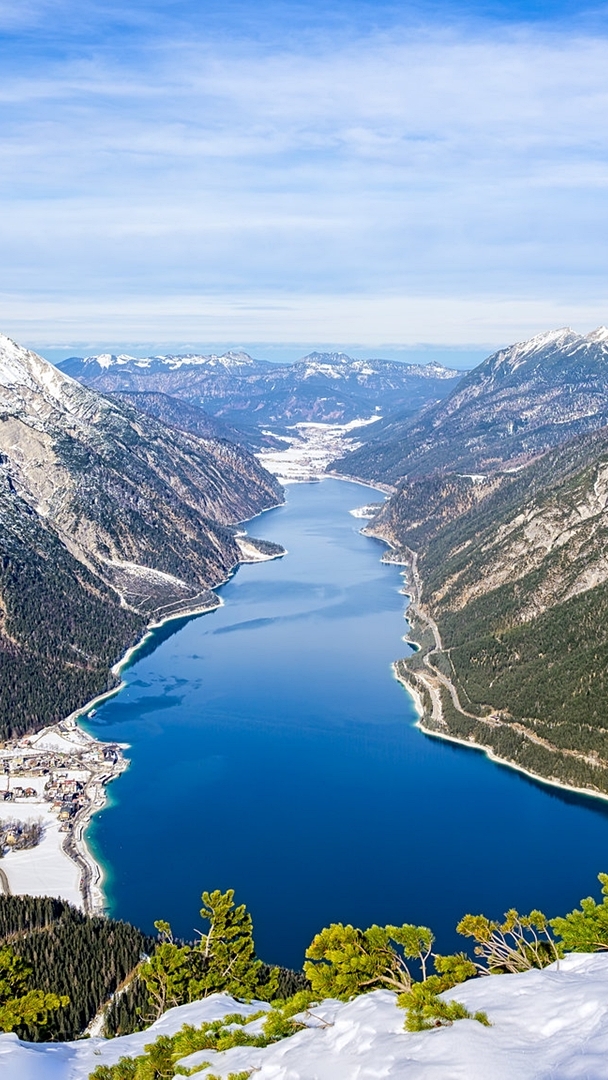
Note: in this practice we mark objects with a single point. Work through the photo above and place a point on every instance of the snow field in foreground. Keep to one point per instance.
(546, 1025)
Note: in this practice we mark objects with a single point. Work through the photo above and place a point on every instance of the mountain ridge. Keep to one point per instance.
(257, 395)
(509, 576)
(516, 404)
(109, 520)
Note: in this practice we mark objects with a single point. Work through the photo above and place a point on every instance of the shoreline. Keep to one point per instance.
(310, 450)
(489, 753)
(66, 771)
(86, 890)
(412, 590)
(92, 870)
(486, 750)
(375, 485)
(90, 865)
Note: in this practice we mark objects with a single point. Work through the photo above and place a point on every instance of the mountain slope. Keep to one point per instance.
(514, 573)
(108, 518)
(516, 404)
(61, 627)
(191, 418)
(254, 394)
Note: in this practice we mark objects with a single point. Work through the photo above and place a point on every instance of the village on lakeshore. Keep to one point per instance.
(51, 783)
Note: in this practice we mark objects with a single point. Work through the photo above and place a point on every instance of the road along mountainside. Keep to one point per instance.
(510, 587)
(429, 676)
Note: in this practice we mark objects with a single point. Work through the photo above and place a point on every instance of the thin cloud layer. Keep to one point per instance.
(221, 186)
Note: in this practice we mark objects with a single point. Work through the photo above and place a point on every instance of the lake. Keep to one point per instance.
(273, 752)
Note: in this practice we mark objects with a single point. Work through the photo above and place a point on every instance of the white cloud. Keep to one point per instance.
(370, 320)
(464, 172)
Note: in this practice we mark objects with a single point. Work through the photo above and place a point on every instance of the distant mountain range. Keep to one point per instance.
(252, 395)
(515, 405)
(108, 518)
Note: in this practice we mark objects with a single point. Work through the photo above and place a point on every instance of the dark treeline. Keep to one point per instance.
(130, 1010)
(62, 628)
(88, 958)
(85, 957)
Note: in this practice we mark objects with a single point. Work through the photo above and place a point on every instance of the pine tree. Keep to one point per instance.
(586, 928)
(167, 976)
(18, 1005)
(224, 959)
(344, 961)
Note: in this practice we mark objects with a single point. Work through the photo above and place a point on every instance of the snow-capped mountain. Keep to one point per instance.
(381, 374)
(516, 404)
(239, 362)
(323, 387)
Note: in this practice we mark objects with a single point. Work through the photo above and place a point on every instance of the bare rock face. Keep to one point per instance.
(112, 512)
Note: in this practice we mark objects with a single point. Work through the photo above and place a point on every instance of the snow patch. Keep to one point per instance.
(599, 334)
(311, 448)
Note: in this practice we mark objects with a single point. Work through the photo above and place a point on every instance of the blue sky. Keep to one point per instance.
(392, 178)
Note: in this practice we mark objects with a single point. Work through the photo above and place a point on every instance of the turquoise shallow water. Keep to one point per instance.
(273, 752)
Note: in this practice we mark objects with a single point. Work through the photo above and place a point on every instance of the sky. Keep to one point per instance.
(404, 179)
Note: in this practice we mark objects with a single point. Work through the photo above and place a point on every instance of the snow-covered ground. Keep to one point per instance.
(310, 449)
(45, 870)
(366, 512)
(546, 1025)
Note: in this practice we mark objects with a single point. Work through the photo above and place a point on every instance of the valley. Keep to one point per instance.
(305, 453)
(303, 541)
(496, 493)
(267, 696)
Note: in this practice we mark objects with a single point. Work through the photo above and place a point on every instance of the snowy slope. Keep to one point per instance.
(110, 519)
(546, 1025)
(519, 402)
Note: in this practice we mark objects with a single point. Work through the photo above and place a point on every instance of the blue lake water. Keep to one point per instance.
(273, 752)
